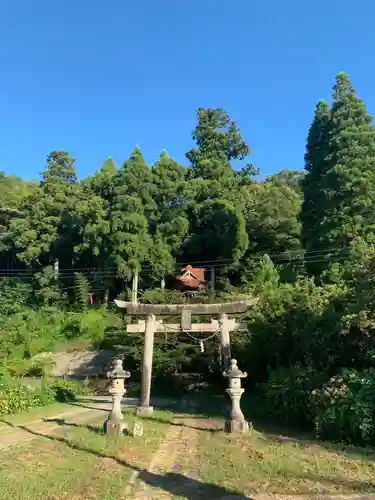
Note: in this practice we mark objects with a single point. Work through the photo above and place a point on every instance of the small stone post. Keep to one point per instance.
(115, 424)
(237, 422)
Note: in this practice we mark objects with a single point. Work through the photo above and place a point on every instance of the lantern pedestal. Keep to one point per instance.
(235, 427)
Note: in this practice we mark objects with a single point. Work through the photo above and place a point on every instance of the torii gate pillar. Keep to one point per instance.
(148, 352)
(225, 340)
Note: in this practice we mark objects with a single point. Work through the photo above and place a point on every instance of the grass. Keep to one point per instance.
(78, 462)
(274, 460)
(200, 461)
(260, 463)
(35, 414)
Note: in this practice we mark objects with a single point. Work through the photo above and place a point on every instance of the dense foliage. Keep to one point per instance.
(16, 396)
(302, 241)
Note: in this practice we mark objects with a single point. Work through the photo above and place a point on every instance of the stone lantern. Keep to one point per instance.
(236, 422)
(115, 423)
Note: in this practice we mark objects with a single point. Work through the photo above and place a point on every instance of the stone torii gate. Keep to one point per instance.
(149, 326)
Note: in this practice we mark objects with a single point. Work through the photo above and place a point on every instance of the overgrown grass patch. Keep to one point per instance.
(79, 462)
(261, 463)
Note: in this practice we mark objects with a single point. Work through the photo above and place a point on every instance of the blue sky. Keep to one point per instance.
(98, 77)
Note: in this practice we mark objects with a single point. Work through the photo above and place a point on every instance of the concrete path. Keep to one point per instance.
(85, 409)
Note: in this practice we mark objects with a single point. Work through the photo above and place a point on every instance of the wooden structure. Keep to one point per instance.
(191, 278)
(224, 325)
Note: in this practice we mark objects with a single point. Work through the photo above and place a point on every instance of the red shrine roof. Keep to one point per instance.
(191, 277)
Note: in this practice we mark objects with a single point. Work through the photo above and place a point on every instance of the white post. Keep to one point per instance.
(135, 287)
(56, 268)
(106, 297)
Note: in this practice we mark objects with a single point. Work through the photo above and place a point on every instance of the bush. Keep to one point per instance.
(345, 408)
(93, 324)
(288, 394)
(16, 397)
(292, 325)
(14, 295)
(342, 409)
(68, 390)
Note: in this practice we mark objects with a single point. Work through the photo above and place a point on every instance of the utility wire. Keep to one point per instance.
(286, 254)
(110, 272)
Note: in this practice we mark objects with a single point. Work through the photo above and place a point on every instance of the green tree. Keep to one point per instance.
(168, 224)
(217, 232)
(91, 225)
(316, 166)
(42, 235)
(92, 215)
(217, 229)
(343, 207)
(271, 212)
(290, 178)
(219, 141)
(132, 206)
(13, 191)
(102, 182)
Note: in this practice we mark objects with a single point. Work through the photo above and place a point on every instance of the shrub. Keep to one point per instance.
(288, 394)
(292, 325)
(93, 324)
(67, 390)
(28, 367)
(16, 397)
(14, 295)
(345, 408)
(82, 287)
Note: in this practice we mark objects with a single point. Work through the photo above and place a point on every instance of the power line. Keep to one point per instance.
(114, 275)
(297, 257)
(286, 254)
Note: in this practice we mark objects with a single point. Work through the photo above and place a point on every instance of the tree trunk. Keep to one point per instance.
(162, 284)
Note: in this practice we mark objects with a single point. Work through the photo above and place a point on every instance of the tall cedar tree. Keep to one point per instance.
(169, 224)
(217, 226)
(316, 165)
(93, 213)
(91, 218)
(132, 207)
(219, 141)
(43, 234)
(344, 206)
(102, 182)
